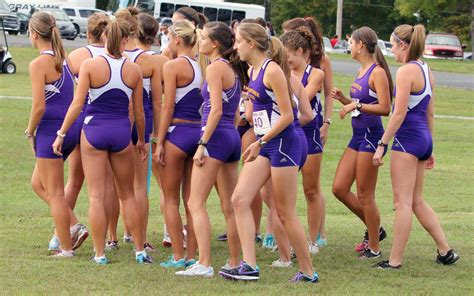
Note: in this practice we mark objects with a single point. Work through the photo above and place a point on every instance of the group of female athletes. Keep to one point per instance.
(212, 98)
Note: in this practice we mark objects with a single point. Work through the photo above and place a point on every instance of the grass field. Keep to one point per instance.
(465, 67)
(26, 225)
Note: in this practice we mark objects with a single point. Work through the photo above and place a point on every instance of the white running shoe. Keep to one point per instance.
(197, 269)
(313, 248)
(54, 244)
(127, 238)
(279, 263)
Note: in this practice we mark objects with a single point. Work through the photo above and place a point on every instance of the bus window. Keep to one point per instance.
(238, 15)
(178, 6)
(210, 13)
(224, 15)
(197, 8)
(166, 9)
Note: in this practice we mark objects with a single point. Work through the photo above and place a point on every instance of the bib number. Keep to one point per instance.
(261, 122)
(355, 112)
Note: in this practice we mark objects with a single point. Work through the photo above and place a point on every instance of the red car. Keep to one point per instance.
(443, 46)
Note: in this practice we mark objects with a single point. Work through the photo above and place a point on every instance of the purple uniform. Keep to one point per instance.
(107, 122)
(300, 132)
(367, 128)
(94, 51)
(311, 130)
(58, 97)
(225, 131)
(242, 129)
(188, 101)
(414, 136)
(284, 150)
(147, 103)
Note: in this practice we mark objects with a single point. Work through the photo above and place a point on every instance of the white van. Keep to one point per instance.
(79, 16)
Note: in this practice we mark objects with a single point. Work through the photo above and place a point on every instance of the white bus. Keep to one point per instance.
(26, 6)
(213, 10)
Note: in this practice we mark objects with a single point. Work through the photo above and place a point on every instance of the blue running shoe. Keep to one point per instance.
(301, 277)
(54, 244)
(244, 272)
(99, 260)
(269, 241)
(189, 262)
(143, 258)
(321, 242)
(171, 263)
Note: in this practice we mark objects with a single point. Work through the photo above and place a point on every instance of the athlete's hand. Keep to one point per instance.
(57, 145)
(199, 156)
(430, 163)
(324, 132)
(142, 150)
(159, 155)
(32, 141)
(337, 94)
(252, 151)
(346, 109)
(378, 156)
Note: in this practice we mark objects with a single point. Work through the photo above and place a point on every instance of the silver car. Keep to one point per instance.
(63, 22)
(79, 16)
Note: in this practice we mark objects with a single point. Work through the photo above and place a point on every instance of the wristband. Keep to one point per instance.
(154, 140)
(328, 121)
(382, 144)
(58, 133)
(261, 142)
(28, 135)
(202, 143)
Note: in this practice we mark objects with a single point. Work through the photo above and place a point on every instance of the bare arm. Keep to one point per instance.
(168, 106)
(156, 96)
(137, 104)
(214, 79)
(306, 114)
(38, 81)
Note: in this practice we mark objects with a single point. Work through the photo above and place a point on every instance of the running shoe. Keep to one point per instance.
(79, 235)
(197, 269)
(166, 240)
(280, 263)
(322, 242)
(386, 265)
(63, 254)
(292, 253)
(448, 259)
(54, 244)
(244, 272)
(99, 260)
(313, 248)
(149, 247)
(258, 238)
(365, 242)
(367, 253)
(222, 237)
(171, 263)
(189, 262)
(301, 277)
(227, 266)
(111, 245)
(143, 258)
(269, 241)
(127, 238)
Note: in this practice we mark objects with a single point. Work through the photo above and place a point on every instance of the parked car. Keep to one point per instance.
(443, 46)
(65, 26)
(24, 22)
(327, 45)
(79, 16)
(342, 46)
(11, 23)
(383, 47)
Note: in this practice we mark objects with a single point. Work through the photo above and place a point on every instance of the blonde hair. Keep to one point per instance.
(414, 37)
(277, 53)
(116, 31)
(191, 35)
(96, 25)
(129, 15)
(44, 24)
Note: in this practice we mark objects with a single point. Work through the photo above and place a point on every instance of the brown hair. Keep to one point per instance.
(190, 36)
(44, 24)
(129, 15)
(96, 24)
(270, 45)
(315, 29)
(222, 33)
(193, 16)
(369, 38)
(116, 31)
(414, 37)
(147, 28)
(301, 38)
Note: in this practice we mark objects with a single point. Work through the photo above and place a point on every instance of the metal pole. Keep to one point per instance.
(340, 4)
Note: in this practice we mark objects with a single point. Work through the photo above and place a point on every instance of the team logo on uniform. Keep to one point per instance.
(283, 159)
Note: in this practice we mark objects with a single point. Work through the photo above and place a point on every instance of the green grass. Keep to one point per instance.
(26, 226)
(464, 67)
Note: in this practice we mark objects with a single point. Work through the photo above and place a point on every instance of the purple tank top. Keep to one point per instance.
(361, 92)
(58, 95)
(315, 102)
(188, 98)
(418, 102)
(230, 102)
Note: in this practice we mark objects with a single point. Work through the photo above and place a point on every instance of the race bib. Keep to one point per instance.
(355, 112)
(261, 122)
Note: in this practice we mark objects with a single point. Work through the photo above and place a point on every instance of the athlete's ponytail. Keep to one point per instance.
(96, 25)
(413, 37)
(301, 38)
(116, 32)
(203, 20)
(222, 33)
(129, 15)
(44, 24)
(369, 38)
(278, 54)
(148, 28)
